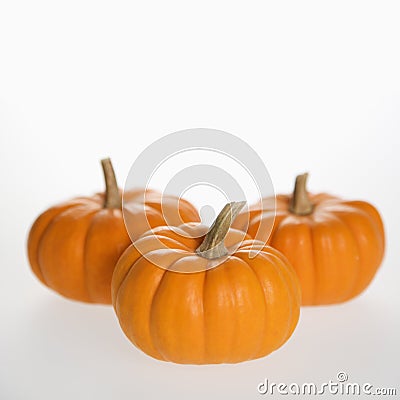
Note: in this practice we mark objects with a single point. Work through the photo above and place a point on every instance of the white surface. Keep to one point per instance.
(311, 85)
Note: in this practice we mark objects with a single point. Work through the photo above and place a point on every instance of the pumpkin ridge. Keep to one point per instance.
(125, 277)
(234, 306)
(354, 285)
(357, 275)
(256, 354)
(46, 230)
(84, 269)
(376, 221)
(156, 206)
(224, 281)
(100, 261)
(35, 250)
(58, 218)
(319, 295)
(292, 286)
(118, 293)
(308, 226)
(313, 261)
(204, 274)
(116, 290)
(172, 240)
(241, 267)
(373, 214)
(152, 335)
(332, 237)
(356, 291)
(288, 291)
(84, 261)
(117, 308)
(285, 265)
(143, 256)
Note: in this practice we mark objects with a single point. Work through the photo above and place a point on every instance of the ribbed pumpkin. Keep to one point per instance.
(335, 245)
(144, 210)
(175, 305)
(73, 247)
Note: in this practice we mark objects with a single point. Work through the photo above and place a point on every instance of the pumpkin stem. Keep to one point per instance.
(300, 203)
(112, 197)
(213, 243)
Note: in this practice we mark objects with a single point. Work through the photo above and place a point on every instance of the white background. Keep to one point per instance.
(312, 85)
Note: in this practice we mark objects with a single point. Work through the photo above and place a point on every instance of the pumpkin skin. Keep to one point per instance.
(336, 249)
(144, 210)
(73, 247)
(242, 309)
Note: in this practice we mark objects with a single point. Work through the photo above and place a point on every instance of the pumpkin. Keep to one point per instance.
(335, 245)
(191, 297)
(73, 247)
(146, 209)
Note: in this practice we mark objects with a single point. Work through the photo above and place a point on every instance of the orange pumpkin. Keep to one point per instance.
(73, 247)
(335, 246)
(175, 304)
(144, 210)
